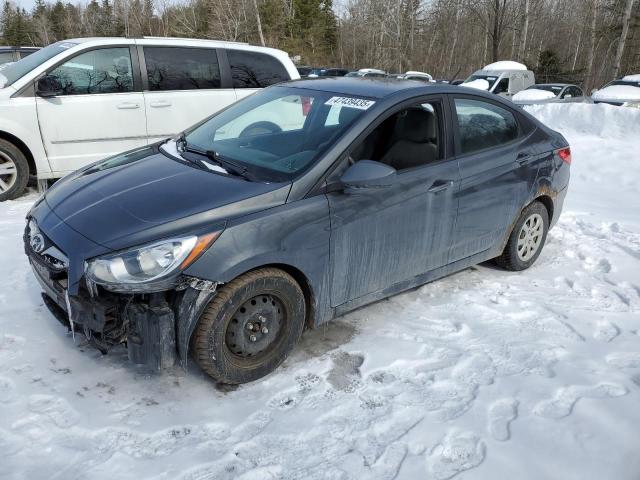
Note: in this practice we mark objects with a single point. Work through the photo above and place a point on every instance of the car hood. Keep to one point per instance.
(145, 195)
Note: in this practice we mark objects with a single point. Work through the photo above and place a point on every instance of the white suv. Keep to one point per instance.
(78, 101)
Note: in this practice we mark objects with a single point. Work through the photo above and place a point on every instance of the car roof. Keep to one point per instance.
(366, 86)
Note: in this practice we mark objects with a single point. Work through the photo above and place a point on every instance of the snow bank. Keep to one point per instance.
(505, 65)
(602, 120)
(479, 84)
(618, 92)
(631, 78)
(533, 94)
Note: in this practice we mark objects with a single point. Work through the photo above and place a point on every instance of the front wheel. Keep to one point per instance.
(527, 238)
(14, 171)
(250, 327)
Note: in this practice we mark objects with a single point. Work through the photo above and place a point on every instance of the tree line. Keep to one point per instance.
(580, 41)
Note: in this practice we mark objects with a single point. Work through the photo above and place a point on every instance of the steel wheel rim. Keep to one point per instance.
(255, 329)
(530, 237)
(8, 172)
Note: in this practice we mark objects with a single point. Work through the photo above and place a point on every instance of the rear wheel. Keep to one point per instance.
(14, 171)
(250, 327)
(527, 238)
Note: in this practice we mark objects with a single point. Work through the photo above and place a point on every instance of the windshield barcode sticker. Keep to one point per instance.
(350, 102)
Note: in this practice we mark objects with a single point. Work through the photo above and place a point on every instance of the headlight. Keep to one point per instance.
(148, 263)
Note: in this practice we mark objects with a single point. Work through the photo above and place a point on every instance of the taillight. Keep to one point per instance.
(565, 155)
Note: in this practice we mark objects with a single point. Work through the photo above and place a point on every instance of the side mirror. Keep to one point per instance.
(48, 86)
(568, 95)
(368, 174)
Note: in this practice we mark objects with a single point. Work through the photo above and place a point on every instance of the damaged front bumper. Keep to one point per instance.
(155, 327)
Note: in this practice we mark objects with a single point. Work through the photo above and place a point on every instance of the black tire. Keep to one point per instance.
(260, 128)
(512, 257)
(222, 323)
(9, 153)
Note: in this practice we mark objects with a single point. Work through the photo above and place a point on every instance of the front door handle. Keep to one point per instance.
(439, 186)
(128, 106)
(160, 104)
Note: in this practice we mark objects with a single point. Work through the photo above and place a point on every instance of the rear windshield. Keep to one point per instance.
(19, 69)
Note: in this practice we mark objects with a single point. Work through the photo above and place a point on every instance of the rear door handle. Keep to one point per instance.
(439, 186)
(160, 104)
(128, 106)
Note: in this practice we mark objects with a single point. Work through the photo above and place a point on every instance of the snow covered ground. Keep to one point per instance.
(483, 375)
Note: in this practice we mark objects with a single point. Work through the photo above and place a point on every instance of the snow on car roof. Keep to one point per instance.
(632, 78)
(533, 94)
(618, 92)
(505, 65)
(478, 84)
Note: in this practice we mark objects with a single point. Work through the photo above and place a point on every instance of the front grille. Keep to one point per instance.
(47, 254)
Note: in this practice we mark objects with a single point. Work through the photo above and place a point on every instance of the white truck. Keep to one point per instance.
(81, 100)
(505, 78)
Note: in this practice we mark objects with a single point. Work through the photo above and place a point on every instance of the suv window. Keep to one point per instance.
(106, 70)
(484, 125)
(177, 68)
(502, 86)
(255, 70)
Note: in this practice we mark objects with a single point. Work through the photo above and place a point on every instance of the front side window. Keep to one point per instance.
(280, 132)
(502, 86)
(106, 70)
(176, 68)
(19, 69)
(483, 125)
(255, 70)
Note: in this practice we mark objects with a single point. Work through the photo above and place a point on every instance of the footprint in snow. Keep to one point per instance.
(501, 414)
(345, 372)
(457, 452)
(561, 405)
(606, 331)
(624, 359)
(56, 408)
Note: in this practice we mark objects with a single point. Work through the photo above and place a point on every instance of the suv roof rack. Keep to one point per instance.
(197, 39)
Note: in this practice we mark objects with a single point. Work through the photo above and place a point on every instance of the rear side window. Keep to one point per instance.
(6, 57)
(255, 70)
(484, 125)
(175, 68)
(106, 70)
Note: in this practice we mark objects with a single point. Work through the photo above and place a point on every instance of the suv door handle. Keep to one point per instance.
(440, 185)
(160, 104)
(128, 105)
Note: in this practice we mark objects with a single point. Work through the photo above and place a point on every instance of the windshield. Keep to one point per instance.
(623, 82)
(17, 70)
(278, 133)
(489, 78)
(555, 89)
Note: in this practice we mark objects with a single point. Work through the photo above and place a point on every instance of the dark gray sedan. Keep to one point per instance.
(291, 207)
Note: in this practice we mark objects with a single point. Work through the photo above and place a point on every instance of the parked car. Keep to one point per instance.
(619, 92)
(78, 101)
(367, 72)
(13, 54)
(549, 93)
(505, 78)
(414, 75)
(328, 72)
(304, 71)
(228, 247)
